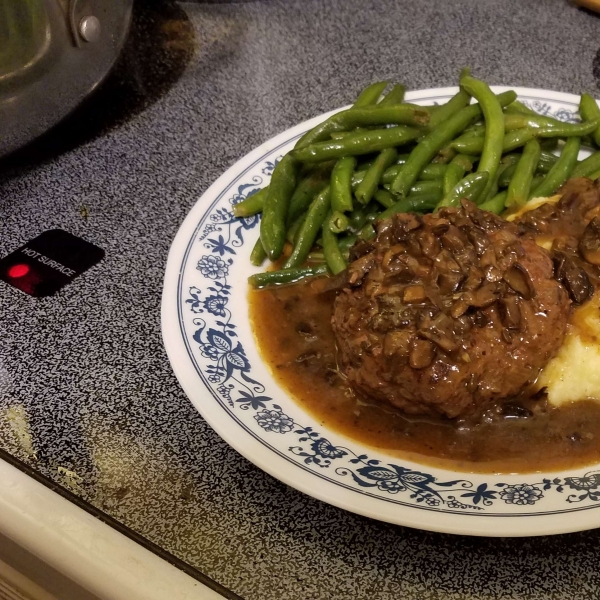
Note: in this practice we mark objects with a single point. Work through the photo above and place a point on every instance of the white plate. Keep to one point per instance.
(209, 341)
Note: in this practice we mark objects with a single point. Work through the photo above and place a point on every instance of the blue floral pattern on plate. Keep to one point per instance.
(229, 372)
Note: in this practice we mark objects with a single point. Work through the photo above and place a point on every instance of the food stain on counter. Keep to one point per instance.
(16, 418)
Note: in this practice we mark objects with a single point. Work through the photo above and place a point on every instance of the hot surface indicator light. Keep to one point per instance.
(17, 271)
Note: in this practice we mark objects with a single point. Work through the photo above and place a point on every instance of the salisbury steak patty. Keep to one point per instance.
(446, 312)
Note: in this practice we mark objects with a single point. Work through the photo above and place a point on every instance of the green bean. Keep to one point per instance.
(252, 205)
(496, 205)
(455, 171)
(276, 204)
(549, 144)
(589, 111)
(307, 234)
(427, 149)
(341, 180)
(260, 280)
(425, 187)
(426, 200)
(418, 202)
(384, 198)
(293, 229)
(322, 131)
(305, 193)
(370, 94)
(519, 137)
(383, 114)
(561, 171)
(340, 135)
(351, 118)
(520, 108)
(316, 256)
(507, 175)
(346, 242)
(358, 217)
(493, 191)
(445, 111)
(338, 222)
(595, 175)
(537, 180)
(470, 187)
(394, 96)
(505, 171)
(587, 166)
(444, 156)
(364, 192)
(356, 144)
(474, 132)
(333, 255)
(431, 172)
(494, 128)
(402, 158)
(520, 121)
(512, 140)
(453, 175)
(258, 254)
(520, 184)
(546, 162)
(367, 232)
(568, 129)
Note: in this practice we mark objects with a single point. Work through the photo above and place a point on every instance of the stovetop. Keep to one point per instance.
(88, 400)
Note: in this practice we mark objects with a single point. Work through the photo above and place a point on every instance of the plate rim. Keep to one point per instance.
(263, 456)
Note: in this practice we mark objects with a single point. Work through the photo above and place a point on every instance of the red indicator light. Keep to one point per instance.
(17, 271)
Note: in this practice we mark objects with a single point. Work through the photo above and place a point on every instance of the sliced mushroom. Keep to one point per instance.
(480, 319)
(573, 277)
(336, 283)
(459, 308)
(430, 245)
(422, 354)
(448, 282)
(444, 341)
(444, 263)
(510, 313)
(413, 294)
(589, 245)
(359, 269)
(492, 274)
(451, 240)
(441, 227)
(479, 239)
(397, 343)
(518, 279)
(404, 223)
(440, 332)
(397, 250)
(488, 258)
(359, 249)
(483, 297)
(473, 280)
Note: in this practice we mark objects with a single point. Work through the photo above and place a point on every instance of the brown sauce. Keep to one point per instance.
(293, 331)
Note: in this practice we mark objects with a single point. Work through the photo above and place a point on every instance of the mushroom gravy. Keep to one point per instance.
(292, 326)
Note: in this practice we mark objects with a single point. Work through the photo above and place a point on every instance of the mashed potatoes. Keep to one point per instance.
(574, 373)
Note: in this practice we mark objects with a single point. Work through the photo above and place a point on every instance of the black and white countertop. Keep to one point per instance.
(88, 400)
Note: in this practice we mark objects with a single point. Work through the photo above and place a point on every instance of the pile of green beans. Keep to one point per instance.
(383, 156)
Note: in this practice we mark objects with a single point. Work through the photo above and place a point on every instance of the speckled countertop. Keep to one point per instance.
(87, 396)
